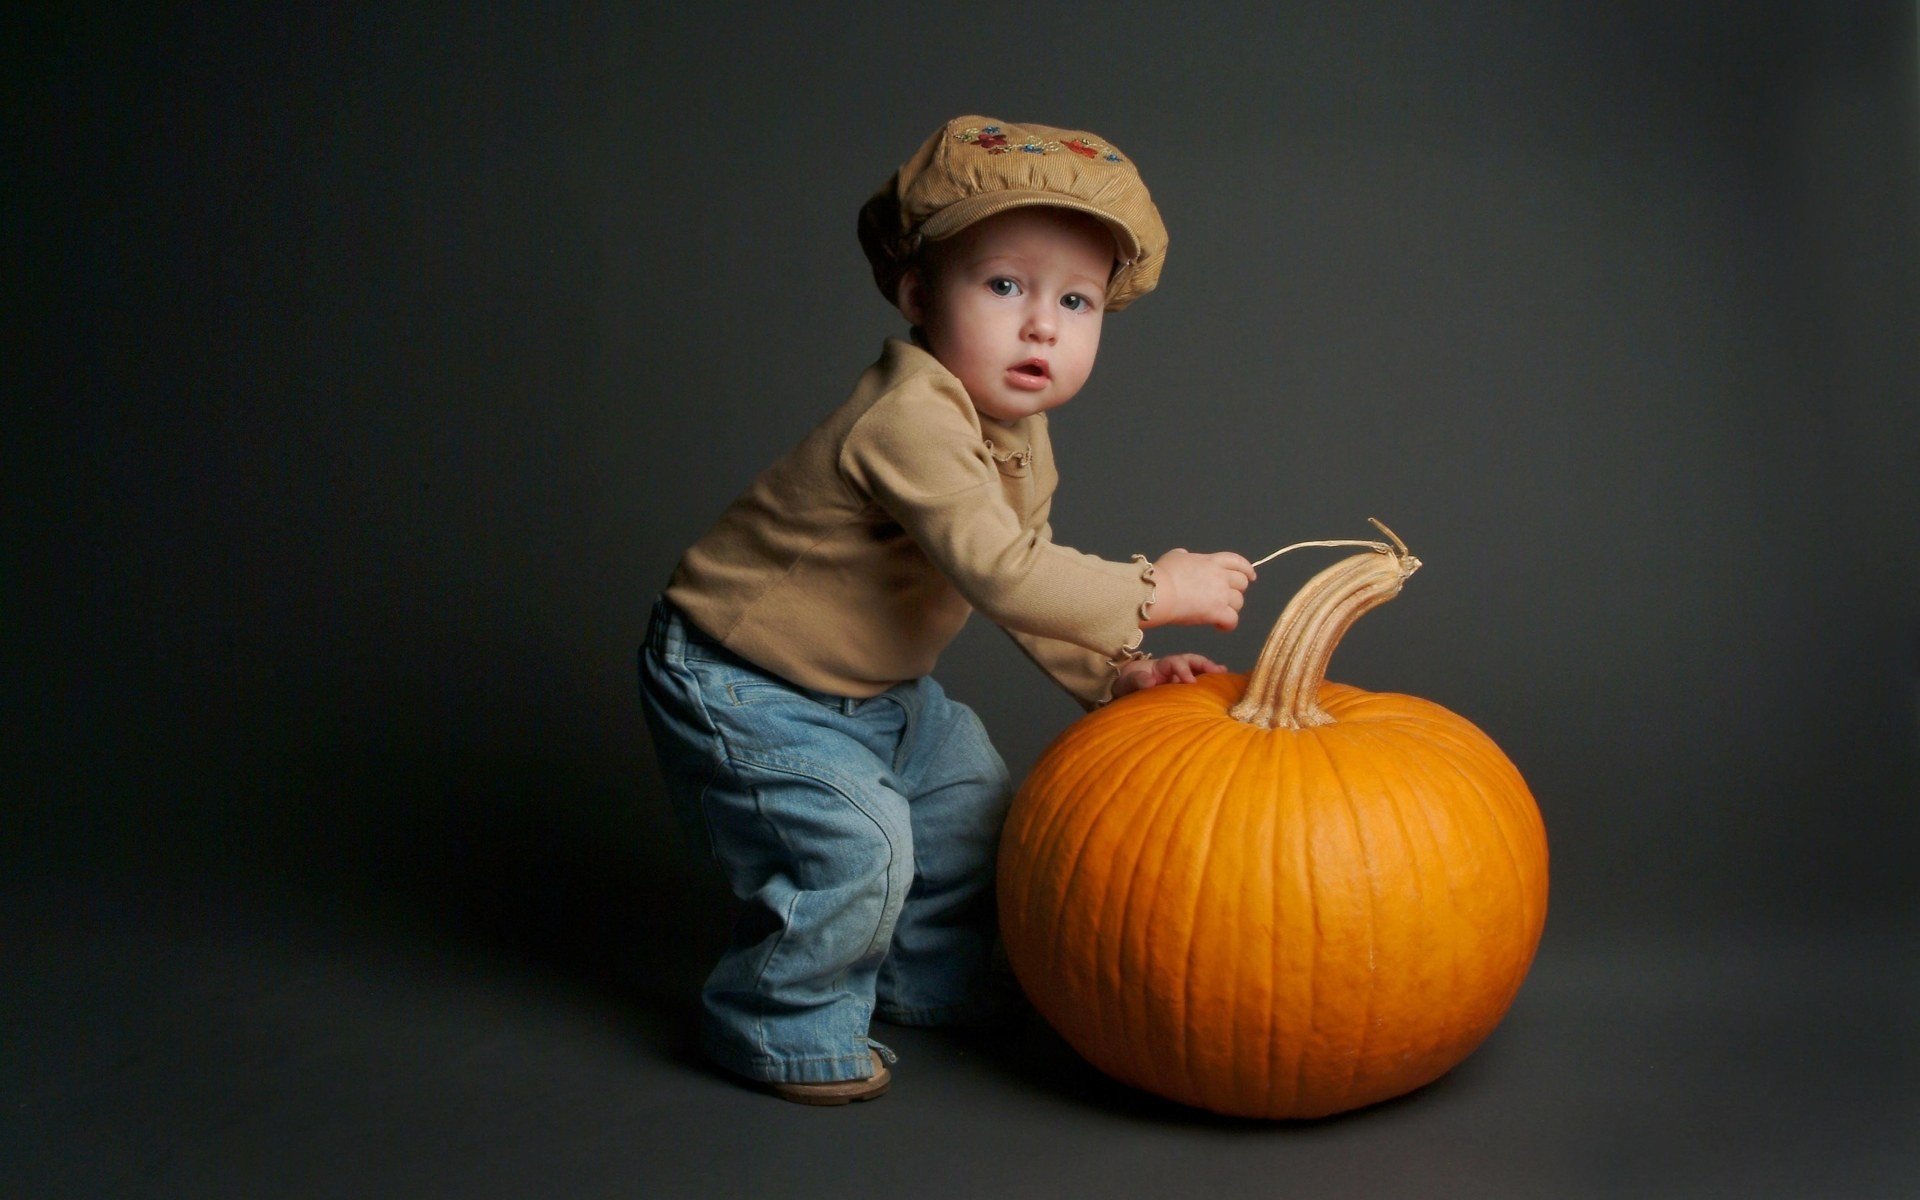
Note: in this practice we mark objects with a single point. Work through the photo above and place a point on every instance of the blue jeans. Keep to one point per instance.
(860, 836)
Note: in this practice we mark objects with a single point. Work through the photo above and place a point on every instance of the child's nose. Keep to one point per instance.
(1040, 323)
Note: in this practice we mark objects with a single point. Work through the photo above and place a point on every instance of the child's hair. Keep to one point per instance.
(974, 167)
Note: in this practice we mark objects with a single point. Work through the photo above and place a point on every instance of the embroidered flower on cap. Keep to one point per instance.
(993, 139)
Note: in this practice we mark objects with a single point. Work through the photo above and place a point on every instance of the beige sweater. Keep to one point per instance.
(852, 562)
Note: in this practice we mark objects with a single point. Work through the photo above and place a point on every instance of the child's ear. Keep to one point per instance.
(912, 296)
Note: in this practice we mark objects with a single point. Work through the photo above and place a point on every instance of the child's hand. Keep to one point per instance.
(1199, 589)
(1175, 668)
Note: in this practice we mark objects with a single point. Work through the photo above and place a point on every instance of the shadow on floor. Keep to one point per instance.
(547, 870)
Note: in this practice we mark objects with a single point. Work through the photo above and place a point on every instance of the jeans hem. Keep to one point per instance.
(765, 1068)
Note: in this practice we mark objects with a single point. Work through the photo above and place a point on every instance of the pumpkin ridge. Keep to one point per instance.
(1373, 907)
(1135, 1006)
(1522, 892)
(1107, 742)
(1113, 1026)
(1504, 819)
(1469, 740)
(1391, 749)
(1435, 783)
(1360, 706)
(1200, 855)
(1285, 772)
(1312, 958)
(1430, 716)
(1053, 818)
(1258, 816)
(1401, 797)
(1171, 807)
(1434, 718)
(1453, 749)
(1138, 755)
(1459, 731)
(1082, 776)
(1020, 830)
(1410, 764)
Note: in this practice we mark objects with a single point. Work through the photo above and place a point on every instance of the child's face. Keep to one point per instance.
(1013, 305)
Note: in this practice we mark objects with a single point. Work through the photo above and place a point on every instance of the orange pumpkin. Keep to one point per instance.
(1274, 896)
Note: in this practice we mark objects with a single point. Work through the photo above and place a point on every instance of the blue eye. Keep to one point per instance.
(1074, 302)
(1000, 285)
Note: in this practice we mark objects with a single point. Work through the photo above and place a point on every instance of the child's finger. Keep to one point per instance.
(1236, 563)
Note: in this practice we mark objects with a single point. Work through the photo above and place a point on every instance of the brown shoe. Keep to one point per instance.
(838, 1091)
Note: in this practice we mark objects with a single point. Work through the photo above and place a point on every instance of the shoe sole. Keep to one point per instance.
(816, 1094)
(840, 1091)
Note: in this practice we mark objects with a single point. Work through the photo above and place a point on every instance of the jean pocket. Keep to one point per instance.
(760, 691)
(744, 691)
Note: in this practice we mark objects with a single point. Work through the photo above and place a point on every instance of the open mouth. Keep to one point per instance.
(1033, 368)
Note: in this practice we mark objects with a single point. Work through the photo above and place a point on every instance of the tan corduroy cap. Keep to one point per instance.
(974, 167)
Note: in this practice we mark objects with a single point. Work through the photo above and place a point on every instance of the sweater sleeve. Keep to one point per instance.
(920, 455)
(1083, 674)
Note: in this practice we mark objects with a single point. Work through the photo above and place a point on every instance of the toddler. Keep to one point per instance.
(854, 808)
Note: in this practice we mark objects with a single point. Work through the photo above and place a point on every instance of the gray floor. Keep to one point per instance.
(188, 1039)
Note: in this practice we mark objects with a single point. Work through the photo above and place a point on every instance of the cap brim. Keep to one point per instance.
(974, 209)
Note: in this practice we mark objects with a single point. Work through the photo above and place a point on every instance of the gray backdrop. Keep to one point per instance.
(369, 369)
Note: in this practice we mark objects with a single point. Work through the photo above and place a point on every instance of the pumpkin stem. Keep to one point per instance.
(1399, 545)
(1284, 690)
